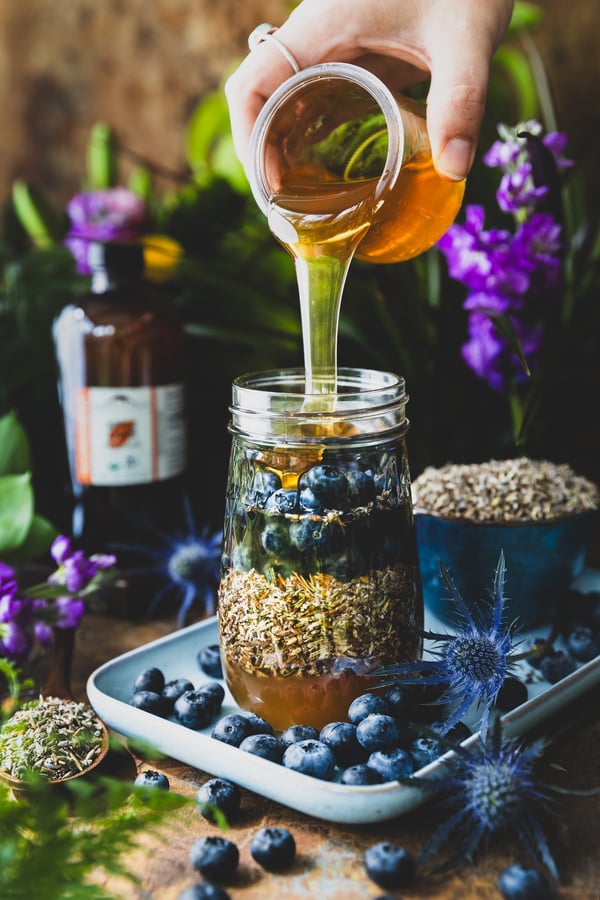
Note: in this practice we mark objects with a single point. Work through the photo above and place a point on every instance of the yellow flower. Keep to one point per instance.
(162, 255)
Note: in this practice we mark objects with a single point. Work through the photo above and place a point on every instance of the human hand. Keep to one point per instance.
(399, 40)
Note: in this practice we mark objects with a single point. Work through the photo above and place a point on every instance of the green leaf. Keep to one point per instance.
(15, 456)
(36, 544)
(209, 144)
(525, 17)
(16, 510)
(101, 158)
(34, 213)
(506, 330)
(516, 66)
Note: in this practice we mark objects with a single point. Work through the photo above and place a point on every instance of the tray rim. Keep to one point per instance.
(326, 800)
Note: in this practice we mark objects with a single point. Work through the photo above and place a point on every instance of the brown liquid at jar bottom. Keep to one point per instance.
(311, 700)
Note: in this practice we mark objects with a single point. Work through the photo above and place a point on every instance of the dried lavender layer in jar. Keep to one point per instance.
(509, 490)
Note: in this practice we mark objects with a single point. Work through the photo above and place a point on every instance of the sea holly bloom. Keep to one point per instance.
(110, 214)
(470, 665)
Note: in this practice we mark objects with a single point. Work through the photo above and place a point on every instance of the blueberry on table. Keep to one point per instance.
(153, 779)
(204, 892)
(377, 731)
(329, 485)
(150, 702)
(232, 729)
(424, 750)
(215, 858)
(556, 665)
(341, 738)
(583, 644)
(519, 883)
(311, 758)
(391, 764)
(366, 704)
(151, 679)
(360, 774)
(174, 689)
(258, 724)
(296, 733)
(273, 848)
(209, 660)
(215, 693)
(267, 746)
(389, 865)
(217, 795)
(194, 709)
(282, 501)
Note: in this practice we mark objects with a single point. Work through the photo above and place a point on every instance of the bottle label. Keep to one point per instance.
(130, 435)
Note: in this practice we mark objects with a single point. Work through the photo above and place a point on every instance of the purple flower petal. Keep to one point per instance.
(70, 612)
(61, 549)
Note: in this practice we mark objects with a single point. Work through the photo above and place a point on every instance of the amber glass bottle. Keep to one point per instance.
(120, 357)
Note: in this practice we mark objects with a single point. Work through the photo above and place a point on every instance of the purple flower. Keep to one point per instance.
(112, 214)
(11, 606)
(15, 642)
(61, 549)
(70, 612)
(43, 633)
(538, 245)
(489, 356)
(518, 192)
(556, 142)
(78, 571)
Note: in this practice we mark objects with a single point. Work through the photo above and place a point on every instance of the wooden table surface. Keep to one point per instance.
(329, 862)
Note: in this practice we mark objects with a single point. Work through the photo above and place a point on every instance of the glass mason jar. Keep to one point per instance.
(320, 582)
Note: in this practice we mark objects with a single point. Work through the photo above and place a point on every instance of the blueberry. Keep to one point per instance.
(215, 858)
(389, 865)
(174, 689)
(217, 795)
(537, 651)
(152, 778)
(308, 533)
(391, 764)
(341, 738)
(377, 731)
(258, 724)
(366, 704)
(296, 733)
(275, 539)
(209, 660)
(151, 679)
(399, 700)
(204, 891)
(267, 746)
(232, 729)
(309, 502)
(273, 848)
(282, 501)
(311, 758)
(512, 693)
(583, 644)
(329, 485)
(556, 665)
(424, 750)
(215, 693)
(264, 484)
(360, 774)
(361, 486)
(519, 883)
(150, 702)
(194, 709)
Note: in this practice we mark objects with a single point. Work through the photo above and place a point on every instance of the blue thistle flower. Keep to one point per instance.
(189, 564)
(472, 664)
(488, 789)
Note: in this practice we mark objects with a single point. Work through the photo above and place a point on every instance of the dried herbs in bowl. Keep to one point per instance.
(539, 513)
(57, 739)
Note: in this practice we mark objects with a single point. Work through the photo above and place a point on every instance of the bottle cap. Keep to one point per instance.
(119, 258)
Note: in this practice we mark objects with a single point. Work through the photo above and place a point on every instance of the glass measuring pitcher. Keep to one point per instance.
(333, 137)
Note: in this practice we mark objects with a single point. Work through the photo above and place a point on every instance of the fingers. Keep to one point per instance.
(460, 49)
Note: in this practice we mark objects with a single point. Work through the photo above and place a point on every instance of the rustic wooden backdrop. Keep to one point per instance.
(142, 66)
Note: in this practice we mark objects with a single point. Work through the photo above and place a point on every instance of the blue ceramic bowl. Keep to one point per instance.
(542, 559)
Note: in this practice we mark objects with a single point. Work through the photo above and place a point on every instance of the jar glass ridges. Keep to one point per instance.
(320, 581)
